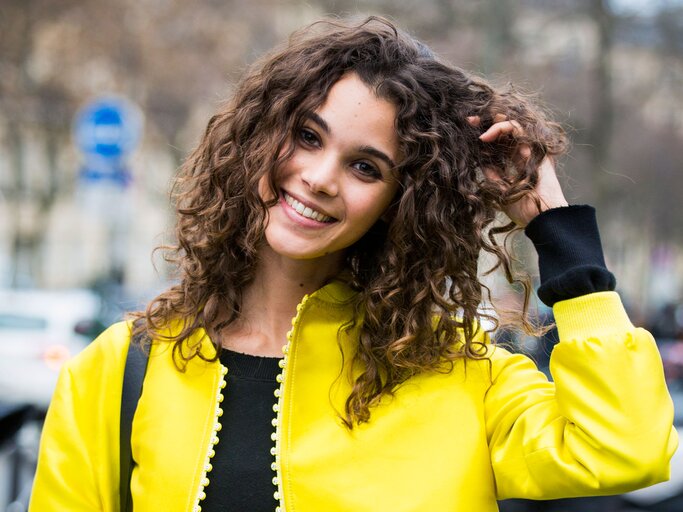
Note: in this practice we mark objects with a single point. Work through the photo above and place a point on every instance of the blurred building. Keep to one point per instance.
(615, 77)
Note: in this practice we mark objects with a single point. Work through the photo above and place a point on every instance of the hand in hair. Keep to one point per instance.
(547, 192)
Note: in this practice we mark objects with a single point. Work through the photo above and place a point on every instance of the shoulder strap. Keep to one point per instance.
(133, 377)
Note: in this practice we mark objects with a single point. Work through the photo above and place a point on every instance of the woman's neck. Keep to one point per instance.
(269, 302)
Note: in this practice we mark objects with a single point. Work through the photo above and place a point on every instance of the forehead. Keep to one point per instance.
(355, 113)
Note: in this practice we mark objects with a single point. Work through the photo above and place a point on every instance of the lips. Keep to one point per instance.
(306, 211)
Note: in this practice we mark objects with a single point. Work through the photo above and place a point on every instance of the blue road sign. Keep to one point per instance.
(108, 128)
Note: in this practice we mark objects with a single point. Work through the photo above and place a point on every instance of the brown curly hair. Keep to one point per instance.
(416, 270)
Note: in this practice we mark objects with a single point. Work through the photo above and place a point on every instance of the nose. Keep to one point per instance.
(321, 175)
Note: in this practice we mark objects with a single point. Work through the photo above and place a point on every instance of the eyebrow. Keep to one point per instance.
(378, 154)
(368, 150)
(319, 121)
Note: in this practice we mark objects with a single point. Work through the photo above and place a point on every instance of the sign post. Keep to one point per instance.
(106, 131)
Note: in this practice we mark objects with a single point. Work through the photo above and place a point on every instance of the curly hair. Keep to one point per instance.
(416, 270)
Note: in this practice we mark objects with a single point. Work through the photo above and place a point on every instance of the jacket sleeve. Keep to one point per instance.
(605, 425)
(78, 458)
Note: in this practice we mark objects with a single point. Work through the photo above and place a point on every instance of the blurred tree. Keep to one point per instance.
(615, 77)
(602, 118)
(29, 104)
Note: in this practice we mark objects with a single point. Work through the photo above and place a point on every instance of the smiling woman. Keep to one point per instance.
(322, 349)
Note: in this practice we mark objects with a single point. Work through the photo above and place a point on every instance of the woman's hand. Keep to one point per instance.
(547, 189)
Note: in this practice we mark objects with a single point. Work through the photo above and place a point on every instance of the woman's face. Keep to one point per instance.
(340, 178)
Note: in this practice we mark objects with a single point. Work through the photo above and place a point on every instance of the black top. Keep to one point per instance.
(241, 479)
(571, 264)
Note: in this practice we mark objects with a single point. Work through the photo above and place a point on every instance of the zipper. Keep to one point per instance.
(276, 465)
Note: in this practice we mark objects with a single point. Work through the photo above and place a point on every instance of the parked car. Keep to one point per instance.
(39, 331)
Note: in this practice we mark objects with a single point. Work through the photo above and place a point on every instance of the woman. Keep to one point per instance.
(335, 211)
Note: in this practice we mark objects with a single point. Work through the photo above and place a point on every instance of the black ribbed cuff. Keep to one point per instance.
(570, 258)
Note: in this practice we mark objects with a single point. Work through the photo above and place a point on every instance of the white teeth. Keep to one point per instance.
(305, 211)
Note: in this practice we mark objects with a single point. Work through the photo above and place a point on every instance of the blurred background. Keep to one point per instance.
(101, 101)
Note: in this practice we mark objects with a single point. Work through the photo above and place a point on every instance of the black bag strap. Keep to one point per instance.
(133, 377)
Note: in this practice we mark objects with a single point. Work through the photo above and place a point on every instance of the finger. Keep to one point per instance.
(525, 151)
(474, 120)
(492, 174)
(521, 156)
(502, 128)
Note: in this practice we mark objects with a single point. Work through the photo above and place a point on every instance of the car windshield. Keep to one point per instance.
(22, 322)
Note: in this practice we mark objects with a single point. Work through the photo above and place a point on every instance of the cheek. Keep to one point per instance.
(387, 203)
(281, 174)
(368, 214)
(264, 189)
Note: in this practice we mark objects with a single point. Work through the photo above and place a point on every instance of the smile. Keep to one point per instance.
(305, 211)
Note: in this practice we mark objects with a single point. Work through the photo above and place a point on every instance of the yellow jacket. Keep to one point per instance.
(444, 442)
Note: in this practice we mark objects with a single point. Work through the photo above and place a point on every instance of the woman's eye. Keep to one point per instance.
(308, 137)
(368, 170)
